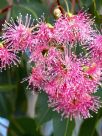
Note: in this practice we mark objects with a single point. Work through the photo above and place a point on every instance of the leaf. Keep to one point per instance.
(95, 133)
(34, 8)
(7, 104)
(44, 113)
(21, 99)
(90, 125)
(7, 87)
(28, 9)
(63, 127)
(86, 3)
(27, 1)
(12, 92)
(3, 3)
(99, 92)
(23, 127)
(5, 9)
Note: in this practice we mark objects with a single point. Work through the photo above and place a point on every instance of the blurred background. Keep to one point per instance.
(23, 112)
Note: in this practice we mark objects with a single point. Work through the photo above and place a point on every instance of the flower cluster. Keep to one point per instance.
(18, 35)
(66, 60)
(7, 57)
(97, 49)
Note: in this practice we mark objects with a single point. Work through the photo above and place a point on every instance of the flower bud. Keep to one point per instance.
(57, 13)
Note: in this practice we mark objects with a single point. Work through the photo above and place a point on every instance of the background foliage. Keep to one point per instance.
(15, 98)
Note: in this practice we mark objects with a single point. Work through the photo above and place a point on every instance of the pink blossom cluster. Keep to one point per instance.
(69, 77)
(7, 57)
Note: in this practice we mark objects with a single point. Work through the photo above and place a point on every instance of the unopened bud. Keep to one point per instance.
(57, 13)
(70, 14)
(1, 45)
(49, 25)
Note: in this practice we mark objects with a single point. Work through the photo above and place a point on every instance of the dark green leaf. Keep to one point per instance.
(23, 127)
(3, 4)
(63, 127)
(90, 125)
(34, 8)
(95, 133)
(44, 113)
(7, 87)
(99, 92)
(7, 104)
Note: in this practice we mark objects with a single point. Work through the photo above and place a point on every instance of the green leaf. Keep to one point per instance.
(21, 99)
(7, 87)
(34, 8)
(86, 3)
(7, 101)
(95, 133)
(23, 127)
(44, 113)
(3, 3)
(99, 93)
(12, 92)
(90, 125)
(27, 1)
(63, 127)
(28, 10)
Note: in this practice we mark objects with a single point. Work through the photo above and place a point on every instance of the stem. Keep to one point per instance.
(94, 3)
(67, 5)
(67, 52)
(73, 6)
(80, 4)
(58, 2)
(65, 134)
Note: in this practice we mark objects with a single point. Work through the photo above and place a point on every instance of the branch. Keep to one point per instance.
(58, 2)
(73, 6)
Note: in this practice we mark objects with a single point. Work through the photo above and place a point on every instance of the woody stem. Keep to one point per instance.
(73, 6)
(58, 2)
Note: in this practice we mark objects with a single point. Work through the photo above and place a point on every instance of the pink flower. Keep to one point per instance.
(38, 53)
(18, 35)
(97, 49)
(7, 58)
(36, 79)
(69, 81)
(44, 32)
(46, 64)
(69, 84)
(42, 35)
(75, 28)
(71, 90)
(75, 104)
(92, 74)
(69, 78)
(74, 76)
